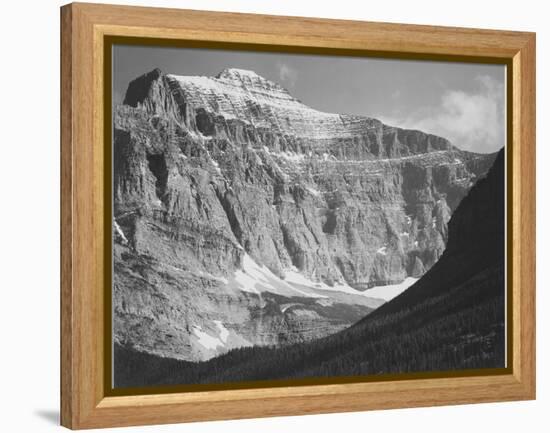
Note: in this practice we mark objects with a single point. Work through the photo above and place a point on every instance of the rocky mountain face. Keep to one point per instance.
(453, 318)
(244, 217)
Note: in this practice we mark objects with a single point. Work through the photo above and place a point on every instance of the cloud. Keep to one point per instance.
(472, 121)
(287, 75)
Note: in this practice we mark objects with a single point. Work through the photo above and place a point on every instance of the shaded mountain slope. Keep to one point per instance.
(452, 318)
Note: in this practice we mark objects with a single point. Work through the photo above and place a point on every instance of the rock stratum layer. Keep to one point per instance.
(244, 217)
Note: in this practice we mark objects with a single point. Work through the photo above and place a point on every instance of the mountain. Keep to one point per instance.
(451, 319)
(244, 217)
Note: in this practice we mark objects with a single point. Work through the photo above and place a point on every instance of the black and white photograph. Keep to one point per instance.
(275, 216)
(281, 216)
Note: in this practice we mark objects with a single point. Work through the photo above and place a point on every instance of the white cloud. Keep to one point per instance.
(470, 120)
(287, 75)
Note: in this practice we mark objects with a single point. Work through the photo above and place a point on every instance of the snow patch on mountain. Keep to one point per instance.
(224, 332)
(206, 340)
(382, 250)
(391, 291)
(295, 278)
(230, 95)
(120, 232)
(256, 279)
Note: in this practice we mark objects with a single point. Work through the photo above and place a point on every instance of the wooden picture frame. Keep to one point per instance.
(85, 28)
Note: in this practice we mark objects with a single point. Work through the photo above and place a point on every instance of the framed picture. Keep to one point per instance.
(266, 216)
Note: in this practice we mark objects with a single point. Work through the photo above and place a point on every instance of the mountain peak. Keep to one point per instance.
(250, 78)
(138, 89)
(232, 73)
(257, 101)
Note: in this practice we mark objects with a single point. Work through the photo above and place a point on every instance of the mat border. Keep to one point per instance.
(87, 33)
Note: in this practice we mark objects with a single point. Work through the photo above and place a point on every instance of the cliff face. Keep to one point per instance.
(475, 249)
(242, 216)
(451, 319)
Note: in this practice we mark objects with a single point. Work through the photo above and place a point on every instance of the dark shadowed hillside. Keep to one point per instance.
(452, 318)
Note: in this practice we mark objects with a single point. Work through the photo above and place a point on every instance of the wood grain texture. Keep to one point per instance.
(67, 388)
(524, 239)
(83, 401)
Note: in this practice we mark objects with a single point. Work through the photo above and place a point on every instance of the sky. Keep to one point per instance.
(463, 102)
